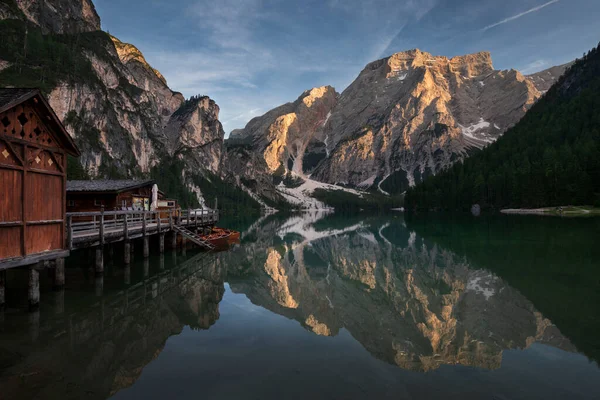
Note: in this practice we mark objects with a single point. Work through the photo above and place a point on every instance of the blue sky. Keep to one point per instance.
(253, 55)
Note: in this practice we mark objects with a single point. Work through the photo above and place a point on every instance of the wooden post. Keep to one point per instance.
(99, 260)
(99, 284)
(161, 243)
(34, 287)
(144, 223)
(59, 274)
(173, 240)
(146, 268)
(102, 226)
(158, 221)
(126, 229)
(2, 289)
(189, 216)
(146, 240)
(162, 262)
(70, 232)
(170, 219)
(127, 253)
(127, 274)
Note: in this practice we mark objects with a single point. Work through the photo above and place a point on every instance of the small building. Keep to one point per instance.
(33, 162)
(113, 195)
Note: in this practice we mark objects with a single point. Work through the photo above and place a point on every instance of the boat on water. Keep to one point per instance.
(221, 238)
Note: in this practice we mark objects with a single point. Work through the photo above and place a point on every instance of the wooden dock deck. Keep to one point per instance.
(90, 229)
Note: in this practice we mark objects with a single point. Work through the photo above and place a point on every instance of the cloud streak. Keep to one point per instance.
(514, 17)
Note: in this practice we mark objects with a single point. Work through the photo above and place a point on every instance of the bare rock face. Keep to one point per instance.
(405, 117)
(195, 133)
(58, 16)
(119, 109)
(413, 114)
(283, 135)
(544, 80)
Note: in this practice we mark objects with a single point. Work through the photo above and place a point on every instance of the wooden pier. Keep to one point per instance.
(100, 230)
(90, 229)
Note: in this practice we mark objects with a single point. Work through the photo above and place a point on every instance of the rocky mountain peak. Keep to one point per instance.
(128, 52)
(311, 96)
(56, 16)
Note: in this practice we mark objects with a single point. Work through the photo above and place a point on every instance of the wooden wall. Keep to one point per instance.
(32, 185)
(86, 201)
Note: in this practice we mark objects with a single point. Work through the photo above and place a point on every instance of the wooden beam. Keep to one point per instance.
(102, 227)
(32, 259)
(70, 232)
(24, 202)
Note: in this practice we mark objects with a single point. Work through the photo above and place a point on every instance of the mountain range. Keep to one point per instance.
(405, 117)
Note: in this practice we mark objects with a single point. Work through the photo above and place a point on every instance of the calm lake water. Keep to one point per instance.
(319, 306)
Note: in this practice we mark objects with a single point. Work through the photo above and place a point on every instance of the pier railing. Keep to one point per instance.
(96, 228)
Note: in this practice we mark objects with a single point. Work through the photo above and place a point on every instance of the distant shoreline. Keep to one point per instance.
(554, 211)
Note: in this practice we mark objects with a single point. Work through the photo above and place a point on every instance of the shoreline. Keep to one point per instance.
(554, 211)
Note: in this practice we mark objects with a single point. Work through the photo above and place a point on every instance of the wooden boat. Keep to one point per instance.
(220, 237)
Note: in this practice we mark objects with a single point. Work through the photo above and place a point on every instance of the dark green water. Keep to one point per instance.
(324, 307)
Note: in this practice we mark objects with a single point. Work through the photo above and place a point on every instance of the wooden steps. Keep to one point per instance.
(194, 237)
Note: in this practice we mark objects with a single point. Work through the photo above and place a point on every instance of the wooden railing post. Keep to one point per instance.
(158, 221)
(144, 223)
(70, 232)
(102, 226)
(189, 216)
(126, 229)
(171, 219)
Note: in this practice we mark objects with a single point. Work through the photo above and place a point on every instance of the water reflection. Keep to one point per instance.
(101, 346)
(369, 305)
(407, 301)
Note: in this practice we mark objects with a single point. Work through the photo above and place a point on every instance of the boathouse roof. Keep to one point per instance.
(12, 97)
(107, 186)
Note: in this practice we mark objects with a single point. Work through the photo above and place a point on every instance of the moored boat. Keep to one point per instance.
(220, 237)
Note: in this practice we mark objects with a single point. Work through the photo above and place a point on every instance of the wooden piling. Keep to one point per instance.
(33, 289)
(146, 240)
(173, 240)
(127, 253)
(2, 289)
(99, 285)
(161, 243)
(127, 274)
(59, 274)
(99, 260)
(146, 268)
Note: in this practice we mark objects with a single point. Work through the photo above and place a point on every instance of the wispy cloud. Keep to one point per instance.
(534, 66)
(514, 17)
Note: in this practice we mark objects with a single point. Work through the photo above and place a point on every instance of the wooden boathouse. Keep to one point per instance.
(33, 162)
(36, 231)
(114, 195)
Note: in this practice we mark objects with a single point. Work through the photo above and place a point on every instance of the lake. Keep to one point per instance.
(324, 306)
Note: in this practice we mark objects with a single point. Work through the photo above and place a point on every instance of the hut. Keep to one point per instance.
(33, 163)
(87, 196)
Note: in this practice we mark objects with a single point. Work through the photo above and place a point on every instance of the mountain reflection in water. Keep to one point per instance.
(315, 306)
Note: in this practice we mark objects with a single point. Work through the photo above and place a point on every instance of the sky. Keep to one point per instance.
(253, 55)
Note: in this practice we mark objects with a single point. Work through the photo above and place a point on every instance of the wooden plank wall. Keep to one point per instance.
(32, 184)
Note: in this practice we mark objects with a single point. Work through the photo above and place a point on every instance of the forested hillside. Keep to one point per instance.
(550, 158)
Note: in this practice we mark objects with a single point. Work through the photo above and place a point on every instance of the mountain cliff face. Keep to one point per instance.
(404, 118)
(283, 135)
(122, 114)
(57, 16)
